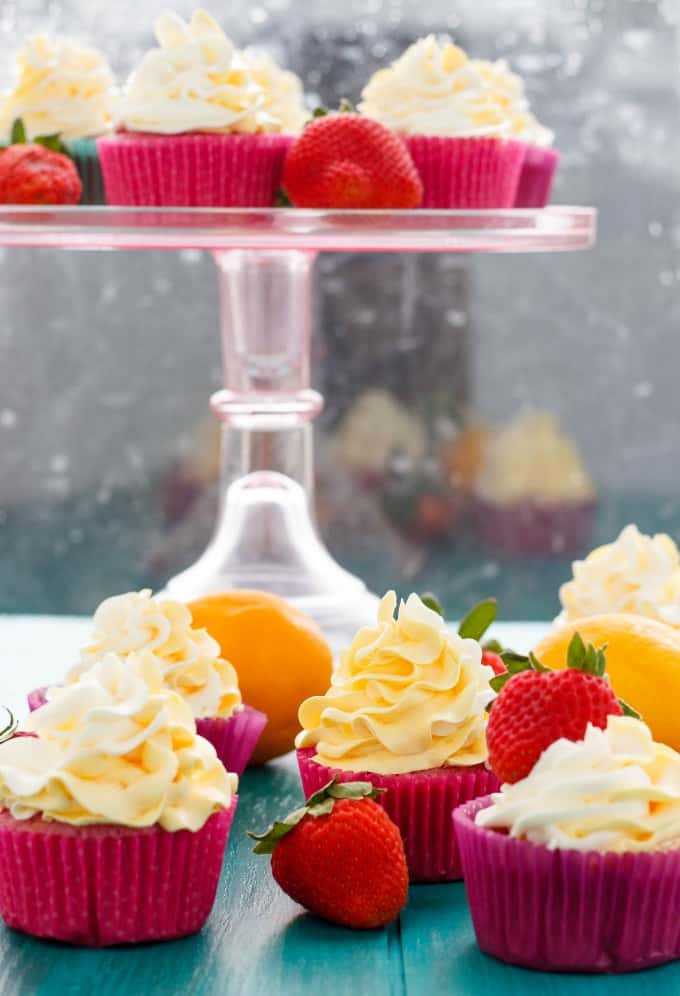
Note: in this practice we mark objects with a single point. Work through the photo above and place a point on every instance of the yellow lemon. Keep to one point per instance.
(643, 664)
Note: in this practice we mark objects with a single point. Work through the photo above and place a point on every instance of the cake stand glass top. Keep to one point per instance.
(518, 230)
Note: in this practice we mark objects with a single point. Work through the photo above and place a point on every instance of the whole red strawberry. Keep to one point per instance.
(345, 160)
(537, 706)
(340, 856)
(32, 174)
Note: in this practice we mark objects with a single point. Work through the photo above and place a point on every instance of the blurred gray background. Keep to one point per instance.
(107, 360)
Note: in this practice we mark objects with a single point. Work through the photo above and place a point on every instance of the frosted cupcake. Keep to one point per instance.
(406, 710)
(67, 89)
(459, 135)
(114, 815)
(540, 159)
(534, 494)
(190, 663)
(201, 124)
(577, 867)
(635, 574)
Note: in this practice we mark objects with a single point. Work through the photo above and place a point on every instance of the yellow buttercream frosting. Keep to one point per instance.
(506, 89)
(195, 80)
(62, 87)
(434, 89)
(636, 573)
(115, 747)
(531, 458)
(189, 658)
(408, 695)
(615, 790)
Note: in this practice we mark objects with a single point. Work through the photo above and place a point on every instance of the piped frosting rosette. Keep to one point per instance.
(115, 747)
(406, 710)
(63, 87)
(189, 660)
(636, 573)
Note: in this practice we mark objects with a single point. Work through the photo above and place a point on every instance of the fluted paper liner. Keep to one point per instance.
(102, 885)
(536, 177)
(235, 738)
(472, 173)
(192, 170)
(420, 803)
(568, 911)
(527, 526)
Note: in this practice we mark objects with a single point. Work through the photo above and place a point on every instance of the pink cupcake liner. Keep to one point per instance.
(192, 170)
(235, 738)
(536, 177)
(532, 527)
(568, 911)
(420, 803)
(470, 173)
(103, 885)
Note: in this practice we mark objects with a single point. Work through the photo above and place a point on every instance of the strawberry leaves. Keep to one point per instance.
(319, 804)
(478, 620)
(18, 133)
(19, 136)
(432, 602)
(580, 657)
(8, 731)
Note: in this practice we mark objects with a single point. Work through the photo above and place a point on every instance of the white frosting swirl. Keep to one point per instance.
(196, 81)
(506, 89)
(615, 790)
(532, 458)
(62, 87)
(636, 573)
(189, 658)
(408, 695)
(116, 747)
(283, 94)
(433, 89)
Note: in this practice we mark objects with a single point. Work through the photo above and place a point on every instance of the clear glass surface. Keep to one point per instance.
(548, 229)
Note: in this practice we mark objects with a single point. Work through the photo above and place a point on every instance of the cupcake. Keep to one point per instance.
(190, 662)
(457, 131)
(534, 494)
(636, 574)
(576, 868)
(540, 159)
(406, 711)
(114, 814)
(201, 124)
(67, 89)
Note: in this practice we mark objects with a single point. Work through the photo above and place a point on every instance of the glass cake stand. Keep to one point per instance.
(265, 536)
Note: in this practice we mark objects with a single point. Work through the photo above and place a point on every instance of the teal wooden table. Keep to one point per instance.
(258, 941)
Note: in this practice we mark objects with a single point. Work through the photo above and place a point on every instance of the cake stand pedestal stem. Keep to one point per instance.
(266, 537)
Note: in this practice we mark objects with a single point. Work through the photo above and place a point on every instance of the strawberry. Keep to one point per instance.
(536, 706)
(340, 856)
(33, 174)
(345, 160)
